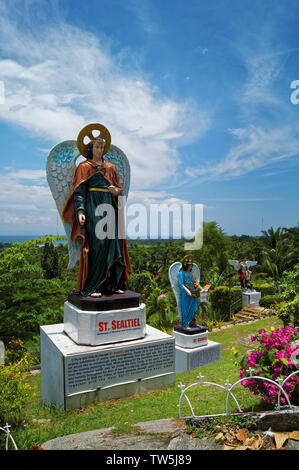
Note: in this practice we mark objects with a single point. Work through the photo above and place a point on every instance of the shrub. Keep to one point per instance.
(266, 289)
(14, 391)
(271, 358)
(269, 300)
(14, 351)
(290, 283)
(288, 311)
(142, 283)
(221, 299)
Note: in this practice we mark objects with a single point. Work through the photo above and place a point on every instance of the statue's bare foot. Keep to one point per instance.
(119, 291)
(96, 294)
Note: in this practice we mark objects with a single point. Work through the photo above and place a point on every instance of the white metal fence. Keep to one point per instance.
(6, 430)
(229, 387)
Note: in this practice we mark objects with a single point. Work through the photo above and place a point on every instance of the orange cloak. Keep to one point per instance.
(84, 171)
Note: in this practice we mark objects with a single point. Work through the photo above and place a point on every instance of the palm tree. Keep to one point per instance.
(279, 259)
(271, 237)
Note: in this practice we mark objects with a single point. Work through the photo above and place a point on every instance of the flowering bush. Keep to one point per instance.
(14, 351)
(14, 390)
(272, 358)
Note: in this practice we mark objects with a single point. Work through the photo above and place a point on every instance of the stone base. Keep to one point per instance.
(104, 327)
(189, 359)
(251, 299)
(73, 375)
(190, 341)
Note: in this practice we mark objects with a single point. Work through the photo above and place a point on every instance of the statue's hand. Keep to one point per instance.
(81, 218)
(113, 190)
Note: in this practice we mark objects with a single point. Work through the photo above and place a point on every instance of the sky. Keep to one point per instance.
(201, 96)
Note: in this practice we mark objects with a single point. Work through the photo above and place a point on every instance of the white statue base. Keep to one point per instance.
(251, 299)
(95, 328)
(72, 375)
(189, 359)
(190, 341)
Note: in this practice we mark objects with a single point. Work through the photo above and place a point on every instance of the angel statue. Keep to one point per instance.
(243, 270)
(184, 279)
(85, 195)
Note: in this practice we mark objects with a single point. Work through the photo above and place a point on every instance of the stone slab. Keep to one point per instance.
(103, 327)
(251, 299)
(190, 341)
(189, 359)
(128, 299)
(74, 375)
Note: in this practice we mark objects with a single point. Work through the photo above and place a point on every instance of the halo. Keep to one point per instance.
(87, 132)
(187, 259)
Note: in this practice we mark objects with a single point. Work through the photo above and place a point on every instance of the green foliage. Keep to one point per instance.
(290, 283)
(212, 258)
(266, 289)
(142, 283)
(279, 252)
(15, 391)
(14, 351)
(288, 311)
(27, 299)
(50, 261)
(161, 312)
(222, 299)
(245, 248)
(269, 300)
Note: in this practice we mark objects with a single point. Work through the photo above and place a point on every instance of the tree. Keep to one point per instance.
(27, 299)
(213, 256)
(50, 262)
(271, 237)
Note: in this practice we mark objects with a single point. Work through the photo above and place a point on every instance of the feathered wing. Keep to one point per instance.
(234, 263)
(116, 156)
(173, 274)
(196, 271)
(61, 166)
(250, 263)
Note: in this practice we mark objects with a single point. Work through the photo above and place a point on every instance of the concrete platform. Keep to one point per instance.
(73, 375)
(189, 359)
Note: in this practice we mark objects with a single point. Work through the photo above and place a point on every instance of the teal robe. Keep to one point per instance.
(105, 257)
(189, 304)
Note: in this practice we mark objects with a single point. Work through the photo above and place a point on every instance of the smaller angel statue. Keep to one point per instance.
(243, 270)
(184, 278)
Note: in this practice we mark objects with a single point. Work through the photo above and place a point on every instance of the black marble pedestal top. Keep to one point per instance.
(128, 299)
(192, 331)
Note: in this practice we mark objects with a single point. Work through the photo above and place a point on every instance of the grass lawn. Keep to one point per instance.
(124, 412)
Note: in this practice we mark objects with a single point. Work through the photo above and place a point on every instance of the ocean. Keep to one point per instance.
(18, 238)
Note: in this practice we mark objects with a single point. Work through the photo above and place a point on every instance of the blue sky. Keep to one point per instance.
(196, 93)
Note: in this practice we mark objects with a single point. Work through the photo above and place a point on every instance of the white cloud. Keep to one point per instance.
(268, 132)
(258, 148)
(62, 79)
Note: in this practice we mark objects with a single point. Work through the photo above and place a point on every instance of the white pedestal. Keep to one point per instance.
(95, 327)
(189, 359)
(251, 299)
(190, 341)
(73, 375)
